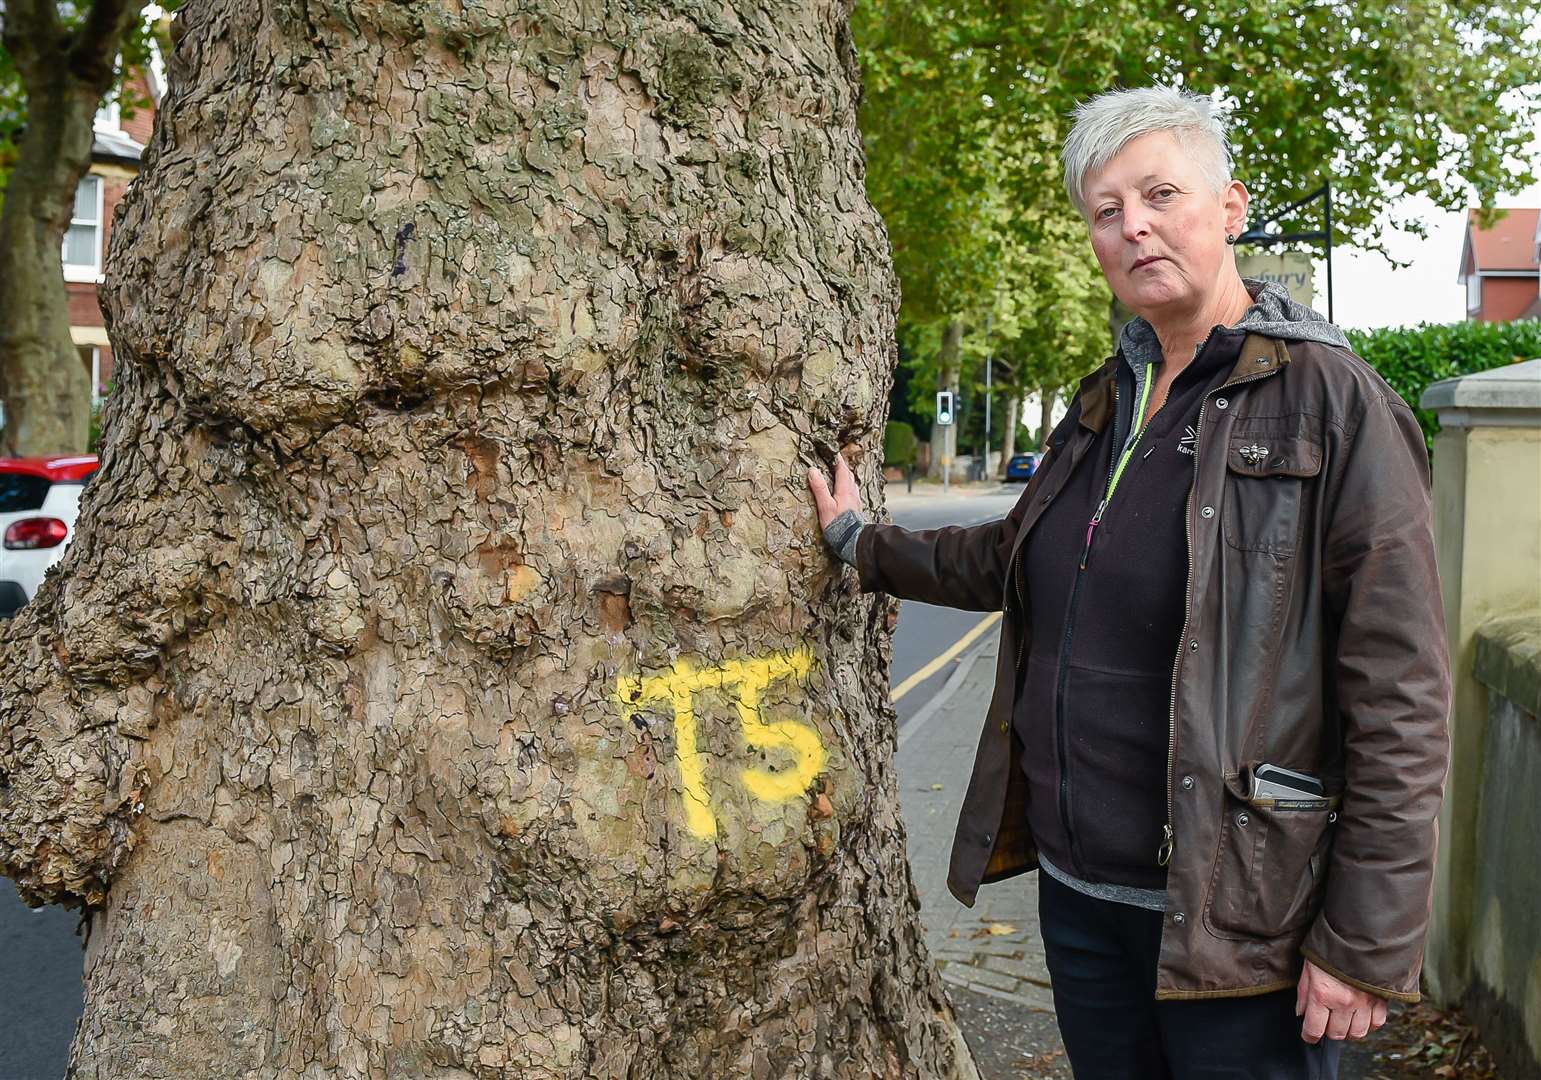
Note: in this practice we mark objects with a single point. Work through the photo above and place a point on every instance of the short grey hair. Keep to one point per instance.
(1106, 123)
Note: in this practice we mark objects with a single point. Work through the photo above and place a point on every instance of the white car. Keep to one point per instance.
(39, 501)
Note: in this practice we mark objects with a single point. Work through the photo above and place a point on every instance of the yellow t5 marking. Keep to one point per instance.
(748, 678)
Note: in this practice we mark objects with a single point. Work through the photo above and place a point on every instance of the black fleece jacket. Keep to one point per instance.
(1093, 714)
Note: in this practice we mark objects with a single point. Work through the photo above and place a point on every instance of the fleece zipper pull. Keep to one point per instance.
(1091, 527)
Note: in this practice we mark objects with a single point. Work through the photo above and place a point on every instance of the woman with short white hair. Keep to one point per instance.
(1219, 715)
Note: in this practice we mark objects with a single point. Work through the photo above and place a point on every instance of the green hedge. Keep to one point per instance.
(898, 445)
(1411, 358)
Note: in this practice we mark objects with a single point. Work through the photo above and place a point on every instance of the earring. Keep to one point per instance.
(1230, 238)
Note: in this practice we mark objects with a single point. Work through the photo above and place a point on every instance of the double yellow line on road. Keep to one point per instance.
(936, 665)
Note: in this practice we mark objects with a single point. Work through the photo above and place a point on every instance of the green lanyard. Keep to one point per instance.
(1118, 470)
(1139, 420)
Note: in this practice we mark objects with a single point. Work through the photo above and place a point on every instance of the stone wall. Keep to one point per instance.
(1504, 994)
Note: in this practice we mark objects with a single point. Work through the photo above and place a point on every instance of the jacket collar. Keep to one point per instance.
(1260, 355)
(1096, 392)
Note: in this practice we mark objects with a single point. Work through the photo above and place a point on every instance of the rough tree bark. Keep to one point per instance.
(448, 679)
(944, 439)
(45, 388)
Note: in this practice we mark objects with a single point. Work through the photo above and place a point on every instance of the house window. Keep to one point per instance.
(1473, 293)
(83, 240)
(109, 117)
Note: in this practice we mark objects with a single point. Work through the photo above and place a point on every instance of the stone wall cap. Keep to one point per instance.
(1513, 386)
(1508, 659)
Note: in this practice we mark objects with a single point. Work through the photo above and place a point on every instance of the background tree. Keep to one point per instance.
(58, 61)
(932, 153)
(973, 98)
(448, 677)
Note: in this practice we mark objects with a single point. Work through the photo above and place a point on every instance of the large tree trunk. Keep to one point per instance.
(45, 389)
(449, 679)
(944, 438)
(1009, 436)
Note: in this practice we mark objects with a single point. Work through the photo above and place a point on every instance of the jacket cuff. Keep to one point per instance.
(1408, 997)
(841, 534)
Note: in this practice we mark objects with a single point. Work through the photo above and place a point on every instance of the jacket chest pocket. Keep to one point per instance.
(1265, 481)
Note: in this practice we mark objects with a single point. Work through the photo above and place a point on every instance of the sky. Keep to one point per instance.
(1368, 293)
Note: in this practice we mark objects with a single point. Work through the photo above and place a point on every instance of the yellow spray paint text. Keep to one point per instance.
(747, 679)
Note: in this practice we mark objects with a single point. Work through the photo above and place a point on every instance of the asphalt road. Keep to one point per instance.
(39, 987)
(40, 955)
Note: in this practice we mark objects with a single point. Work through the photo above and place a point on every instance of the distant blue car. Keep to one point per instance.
(1021, 467)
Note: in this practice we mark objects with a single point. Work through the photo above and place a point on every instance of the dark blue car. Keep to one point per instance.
(1021, 467)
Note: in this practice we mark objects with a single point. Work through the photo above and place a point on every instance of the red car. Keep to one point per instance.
(39, 501)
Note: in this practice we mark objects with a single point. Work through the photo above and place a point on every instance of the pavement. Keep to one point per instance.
(992, 948)
(990, 956)
(40, 990)
(897, 495)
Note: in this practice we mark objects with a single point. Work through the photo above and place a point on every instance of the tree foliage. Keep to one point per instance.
(968, 101)
(898, 444)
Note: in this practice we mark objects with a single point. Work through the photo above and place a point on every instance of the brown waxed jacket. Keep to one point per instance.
(1315, 640)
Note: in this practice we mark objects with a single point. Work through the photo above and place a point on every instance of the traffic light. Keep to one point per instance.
(944, 407)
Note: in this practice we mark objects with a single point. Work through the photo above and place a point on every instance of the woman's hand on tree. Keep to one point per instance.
(846, 497)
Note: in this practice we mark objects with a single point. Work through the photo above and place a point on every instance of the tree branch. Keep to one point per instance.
(100, 37)
(28, 28)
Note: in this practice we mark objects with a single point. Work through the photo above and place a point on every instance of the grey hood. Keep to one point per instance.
(1272, 314)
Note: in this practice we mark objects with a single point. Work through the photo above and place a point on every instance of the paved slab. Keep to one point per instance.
(898, 498)
(1008, 1041)
(992, 949)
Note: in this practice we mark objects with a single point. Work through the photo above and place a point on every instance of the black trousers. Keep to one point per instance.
(1102, 962)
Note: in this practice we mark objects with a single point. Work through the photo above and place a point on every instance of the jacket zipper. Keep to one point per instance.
(1022, 606)
(1061, 740)
(1168, 834)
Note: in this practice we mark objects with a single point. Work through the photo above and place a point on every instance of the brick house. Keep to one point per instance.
(1501, 267)
(119, 141)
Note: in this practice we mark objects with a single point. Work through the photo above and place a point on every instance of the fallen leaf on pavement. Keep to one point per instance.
(995, 929)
